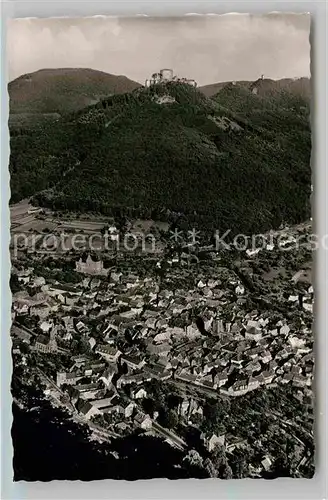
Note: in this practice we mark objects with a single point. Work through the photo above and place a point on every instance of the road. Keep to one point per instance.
(25, 329)
(166, 433)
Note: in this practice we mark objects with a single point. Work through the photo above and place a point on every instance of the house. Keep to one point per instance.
(92, 342)
(108, 352)
(110, 331)
(237, 360)
(252, 323)
(220, 379)
(266, 357)
(185, 407)
(107, 375)
(215, 441)
(97, 367)
(273, 365)
(299, 381)
(284, 330)
(177, 332)
(41, 310)
(303, 276)
(21, 307)
(37, 282)
(86, 409)
(253, 383)
(253, 333)
(103, 403)
(140, 394)
(128, 409)
(187, 377)
(45, 344)
(131, 313)
(308, 306)
(135, 362)
(268, 376)
(114, 406)
(287, 377)
(239, 387)
(23, 275)
(160, 349)
(205, 382)
(158, 371)
(212, 283)
(233, 442)
(46, 326)
(81, 327)
(79, 360)
(266, 462)
(68, 324)
(296, 342)
(115, 277)
(296, 370)
(255, 352)
(133, 378)
(85, 391)
(162, 337)
(151, 322)
(68, 378)
(192, 332)
(143, 421)
(253, 366)
(218, 327)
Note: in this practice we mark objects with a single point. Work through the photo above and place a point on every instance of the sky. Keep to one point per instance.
(208, 49)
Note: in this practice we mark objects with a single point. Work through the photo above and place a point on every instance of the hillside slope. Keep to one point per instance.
(63, 90)
(266, 87)
(237, 161)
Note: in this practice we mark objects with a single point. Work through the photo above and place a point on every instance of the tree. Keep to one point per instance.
(168, 419)
(174, 401)
(225, 471)
(149, 406)
(14, 283)
(210, 469)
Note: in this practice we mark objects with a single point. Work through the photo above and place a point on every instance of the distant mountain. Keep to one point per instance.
(63, 90)
(265, 87)
(236, 161)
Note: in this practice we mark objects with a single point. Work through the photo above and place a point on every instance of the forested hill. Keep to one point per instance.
(235, 161)
(266, 87)
(48, 93)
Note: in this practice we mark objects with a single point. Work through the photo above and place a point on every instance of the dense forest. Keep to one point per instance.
(235, 161)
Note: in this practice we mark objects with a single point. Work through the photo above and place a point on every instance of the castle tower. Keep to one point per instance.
(166, 74)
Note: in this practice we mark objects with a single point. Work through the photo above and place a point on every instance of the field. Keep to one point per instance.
(50, 232)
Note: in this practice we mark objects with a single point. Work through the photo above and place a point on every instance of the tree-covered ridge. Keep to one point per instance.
(237, 161)
(63, 90)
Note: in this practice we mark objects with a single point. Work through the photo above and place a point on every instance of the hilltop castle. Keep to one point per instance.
(166, 75)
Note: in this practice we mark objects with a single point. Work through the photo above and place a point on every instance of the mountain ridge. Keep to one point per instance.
(237, 161)
(266, 86)
(63, 90)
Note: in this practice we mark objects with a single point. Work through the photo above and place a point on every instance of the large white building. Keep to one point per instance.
(91, 267)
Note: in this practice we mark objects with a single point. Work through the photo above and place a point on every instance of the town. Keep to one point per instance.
(154, 342)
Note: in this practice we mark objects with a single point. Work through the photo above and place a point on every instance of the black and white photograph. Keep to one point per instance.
(161, 247)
